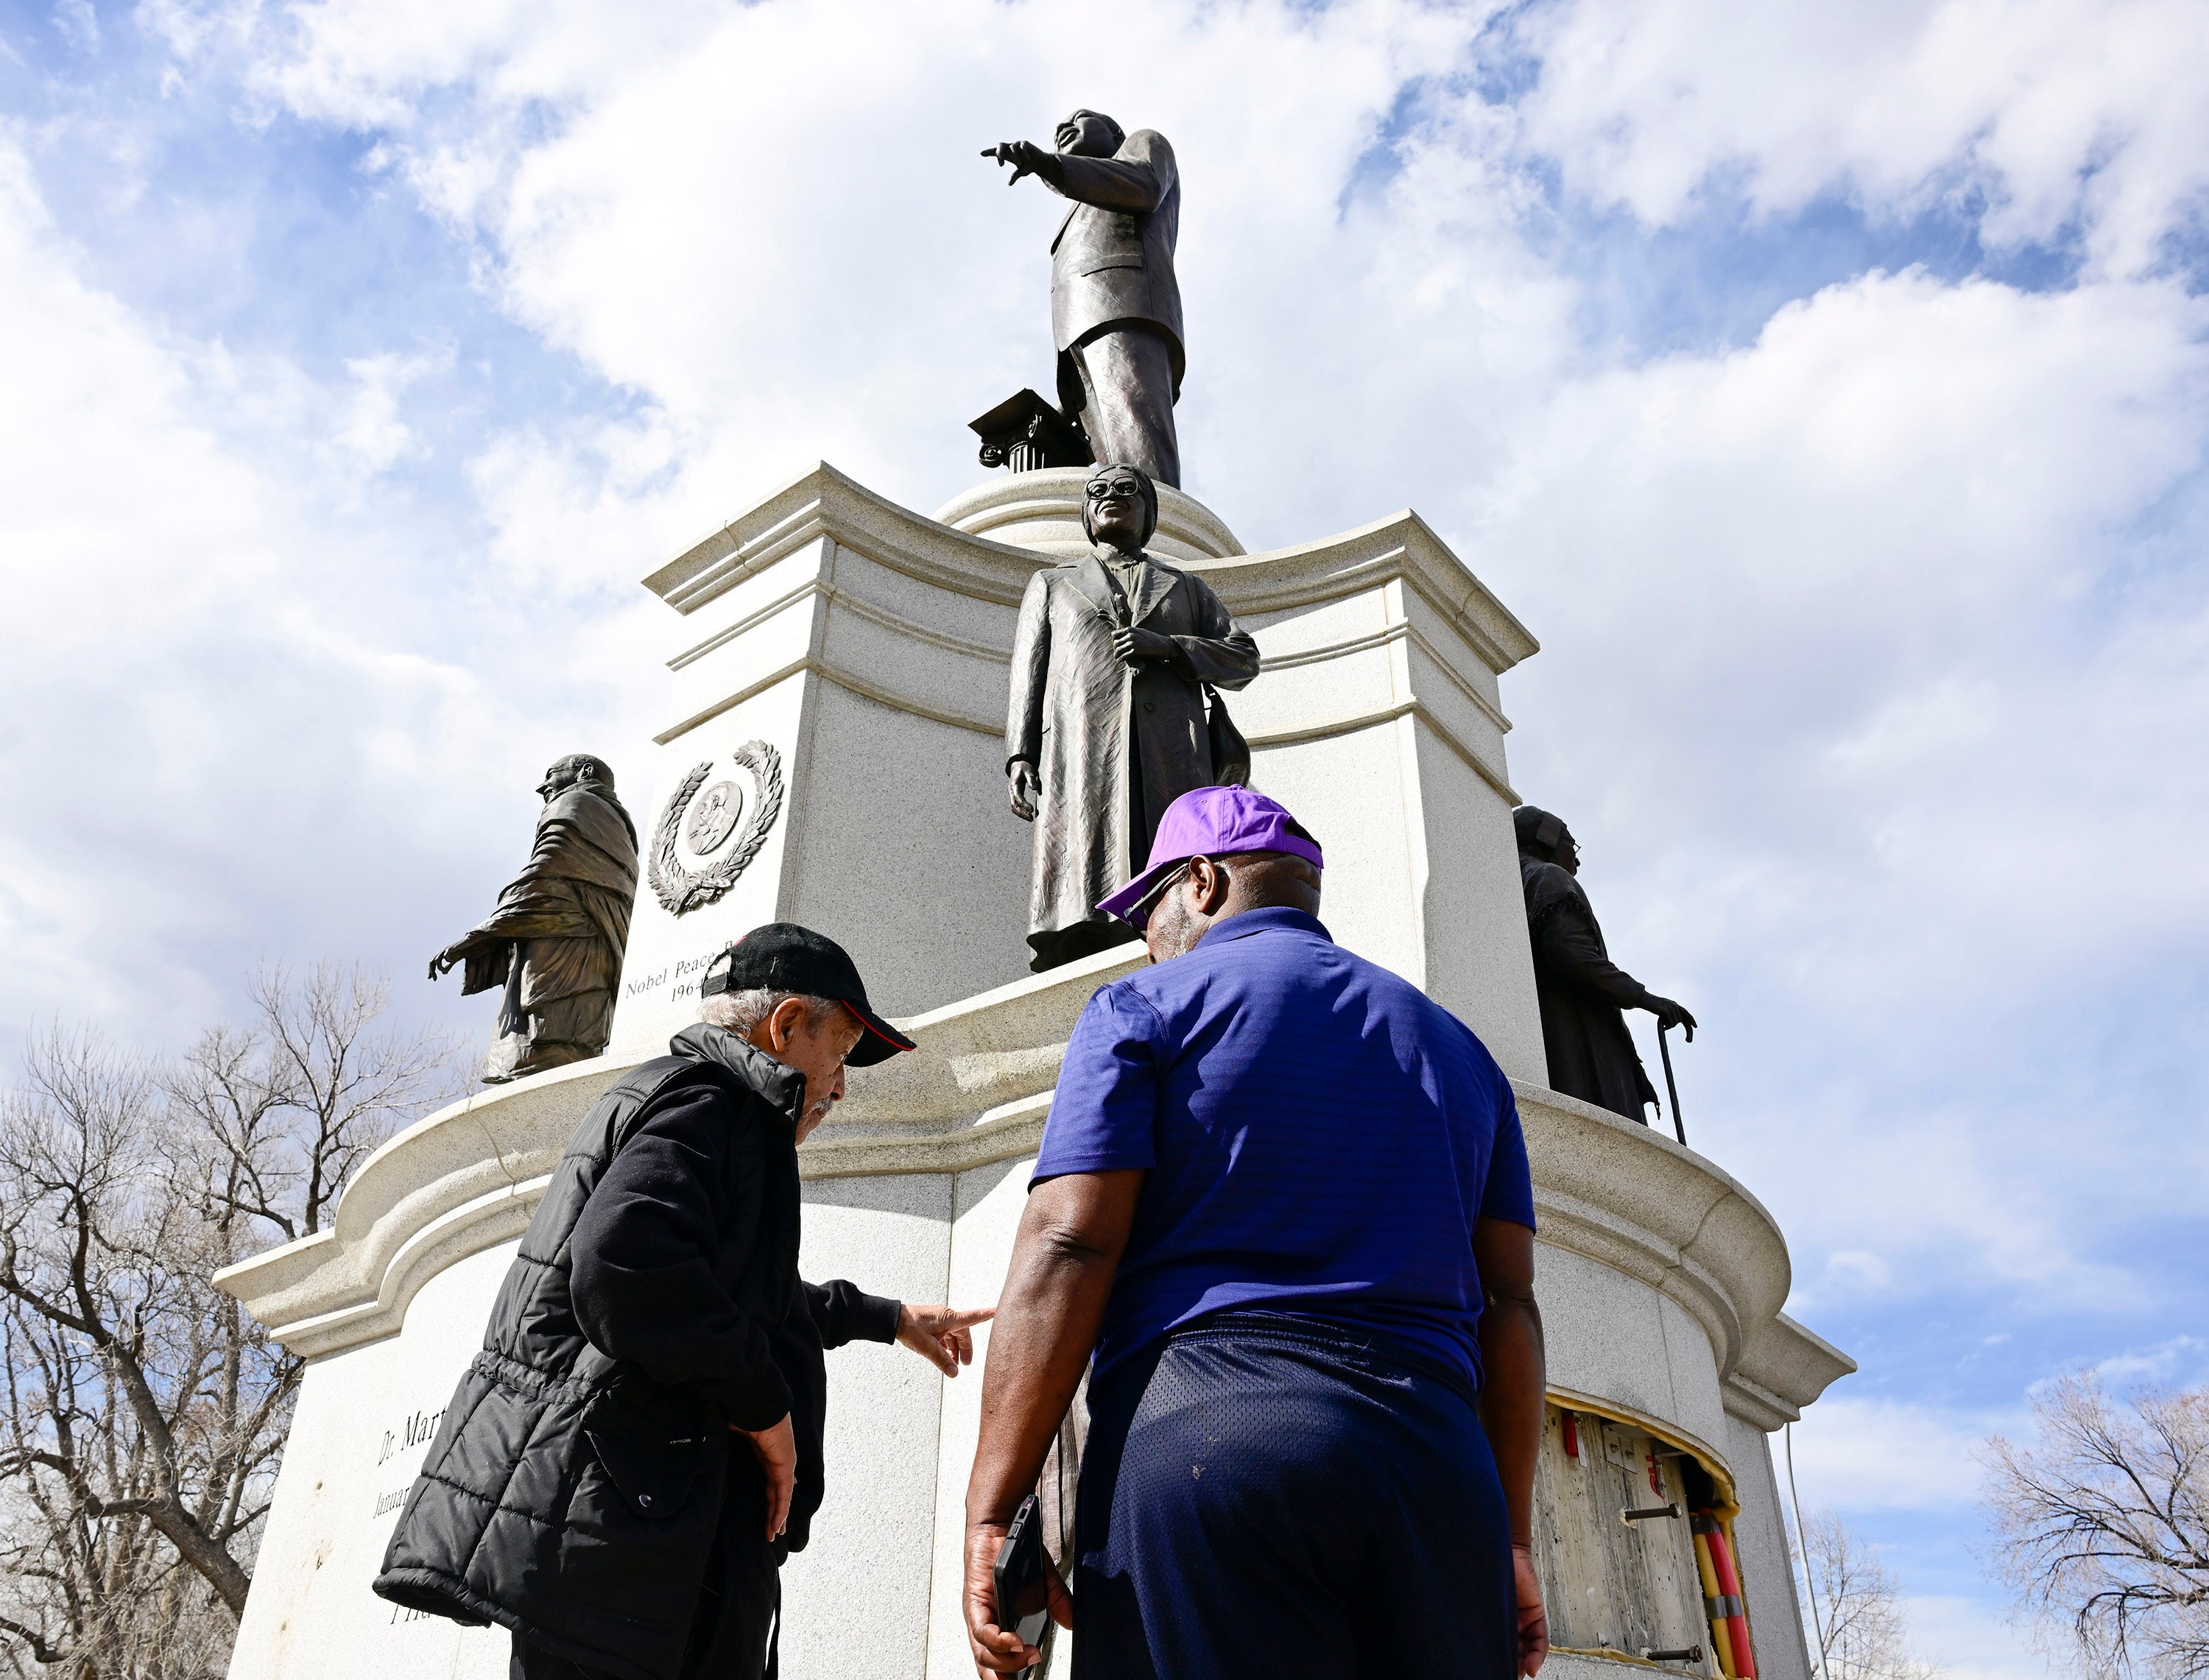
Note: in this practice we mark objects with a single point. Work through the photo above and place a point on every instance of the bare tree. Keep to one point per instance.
(291, 1105)
(144, 1412)
(1861, 1633)
(2103, 1524)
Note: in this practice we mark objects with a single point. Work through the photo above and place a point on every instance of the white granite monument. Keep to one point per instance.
(832, 755)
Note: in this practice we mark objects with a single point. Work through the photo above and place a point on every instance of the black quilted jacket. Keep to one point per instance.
(573, 1489)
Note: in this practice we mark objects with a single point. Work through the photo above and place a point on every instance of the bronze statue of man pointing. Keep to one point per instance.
(1114, 305)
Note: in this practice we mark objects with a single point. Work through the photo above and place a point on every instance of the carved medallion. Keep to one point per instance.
(711, 821)
(713, 818)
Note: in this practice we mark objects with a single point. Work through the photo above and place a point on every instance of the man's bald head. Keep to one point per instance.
(1089, 134)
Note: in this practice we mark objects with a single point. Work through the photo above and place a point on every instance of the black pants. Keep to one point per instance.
(737, 1607)
(1277, 1500)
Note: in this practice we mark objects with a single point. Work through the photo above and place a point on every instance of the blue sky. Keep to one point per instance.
(1824, 386)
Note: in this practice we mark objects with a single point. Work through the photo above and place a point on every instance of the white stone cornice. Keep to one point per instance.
(824, 502)
(1627, 1196)
(1042, 511)
(1402, 545)
(821, 501)
(1372, 717)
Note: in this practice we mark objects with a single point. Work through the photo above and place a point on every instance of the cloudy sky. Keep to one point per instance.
(1824, 385)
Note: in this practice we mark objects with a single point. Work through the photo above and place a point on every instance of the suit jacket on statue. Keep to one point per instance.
(1112, 261)
(1112, 746)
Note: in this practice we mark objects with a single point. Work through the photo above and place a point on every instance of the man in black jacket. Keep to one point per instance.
(584, 1490)
(1581, 992)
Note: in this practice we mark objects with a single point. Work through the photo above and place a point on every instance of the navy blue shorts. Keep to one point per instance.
(1278, 1499)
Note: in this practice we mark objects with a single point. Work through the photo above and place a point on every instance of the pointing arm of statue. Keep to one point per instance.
(454, 954)
(1026, 158)
(1136, 183)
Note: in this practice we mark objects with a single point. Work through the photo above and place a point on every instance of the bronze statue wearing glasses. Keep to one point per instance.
(1107, 725)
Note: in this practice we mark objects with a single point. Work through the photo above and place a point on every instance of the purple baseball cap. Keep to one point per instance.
(1212, 822)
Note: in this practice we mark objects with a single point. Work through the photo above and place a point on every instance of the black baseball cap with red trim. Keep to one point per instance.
(783, 956)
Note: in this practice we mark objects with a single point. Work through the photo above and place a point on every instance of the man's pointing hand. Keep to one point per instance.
(944, 1336)
(1026, 157)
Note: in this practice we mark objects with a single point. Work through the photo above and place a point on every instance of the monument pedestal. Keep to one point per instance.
(835, 756)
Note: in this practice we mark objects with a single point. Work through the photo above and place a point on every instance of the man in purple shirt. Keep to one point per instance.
(1282, 1197)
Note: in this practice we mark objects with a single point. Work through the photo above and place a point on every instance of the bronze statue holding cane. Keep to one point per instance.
(1581, 992)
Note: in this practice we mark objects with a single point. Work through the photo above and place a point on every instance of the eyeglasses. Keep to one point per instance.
(1139, 912)
(1101, 488)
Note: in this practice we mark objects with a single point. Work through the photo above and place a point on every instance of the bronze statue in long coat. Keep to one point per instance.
(1107, 724)
(554, 943)
(1582, 993)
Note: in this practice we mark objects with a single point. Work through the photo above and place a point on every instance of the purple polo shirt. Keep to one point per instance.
(1320, 1138)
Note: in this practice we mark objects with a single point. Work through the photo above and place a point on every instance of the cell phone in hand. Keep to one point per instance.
(1023, 1593)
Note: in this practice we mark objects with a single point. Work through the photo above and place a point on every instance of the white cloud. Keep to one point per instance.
(109, 414)
(371, 435)
(2180, 1360)
(1969, 1639)
(222, 734)
(76, 22)
(2055, 112)
(1854, 1456)
(1870, 595)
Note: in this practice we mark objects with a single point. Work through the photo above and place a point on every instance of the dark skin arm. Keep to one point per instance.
(1512, 1386)
(1071, 1237)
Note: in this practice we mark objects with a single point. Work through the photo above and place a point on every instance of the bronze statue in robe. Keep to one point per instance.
(1108, 724)
(1582, 993)
(555, 942)
(1115, 303)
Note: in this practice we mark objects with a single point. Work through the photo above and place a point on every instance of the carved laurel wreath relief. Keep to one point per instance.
(717, 817)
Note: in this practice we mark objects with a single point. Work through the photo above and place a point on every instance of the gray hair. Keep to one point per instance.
(739, 1011)
(582, 767)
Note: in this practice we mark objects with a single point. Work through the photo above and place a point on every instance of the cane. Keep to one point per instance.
(1664, 1049)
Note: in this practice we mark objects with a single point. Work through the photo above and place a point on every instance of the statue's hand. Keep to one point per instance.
(1026, 157)
(1130, 646)
(448, 958)
(1669, 1014)
(1025, 789)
